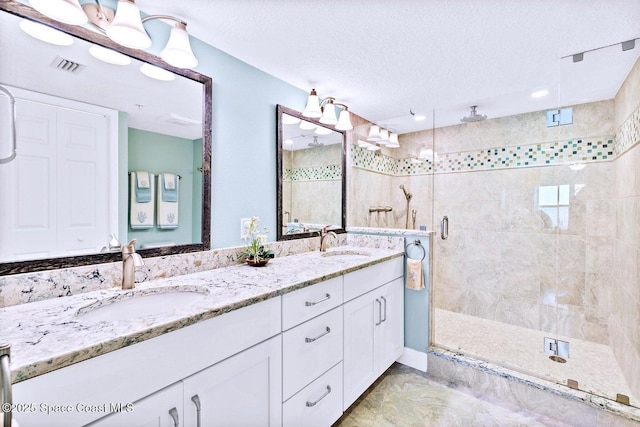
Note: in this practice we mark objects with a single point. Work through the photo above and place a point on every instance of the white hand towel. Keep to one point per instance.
(168, 210)
(141, 215)
(414, 279)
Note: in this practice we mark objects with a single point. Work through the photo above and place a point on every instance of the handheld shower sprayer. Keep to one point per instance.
(406, 193)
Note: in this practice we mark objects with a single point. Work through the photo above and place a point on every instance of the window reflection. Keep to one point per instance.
(554, 202)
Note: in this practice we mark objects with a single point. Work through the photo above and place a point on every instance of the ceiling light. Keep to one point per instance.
(288, 141)
(417, 117)
(540, 93)
(109, 56)
(67, 11)
(156, 72)
(45, 33)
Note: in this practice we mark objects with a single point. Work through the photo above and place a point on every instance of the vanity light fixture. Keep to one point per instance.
(321, 130)
(307, 125)
(108, 55)
(289, 120)
(374, 133)
(325, 111)
(393, 140)
(156, 72)
(124, 26)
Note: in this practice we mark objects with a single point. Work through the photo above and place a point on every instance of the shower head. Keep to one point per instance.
(406, 193)
(315, 142)
(473, 116)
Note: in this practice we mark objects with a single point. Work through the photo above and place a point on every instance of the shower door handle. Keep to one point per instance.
(444, 228)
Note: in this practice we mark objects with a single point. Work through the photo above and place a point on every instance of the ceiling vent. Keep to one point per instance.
(68, 65)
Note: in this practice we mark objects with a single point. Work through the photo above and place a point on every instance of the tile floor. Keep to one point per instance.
(407, 397)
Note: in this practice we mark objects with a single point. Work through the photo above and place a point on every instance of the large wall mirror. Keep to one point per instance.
(311, 168)
(67, 100)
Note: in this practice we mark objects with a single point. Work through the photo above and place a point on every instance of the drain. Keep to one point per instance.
(558, 359)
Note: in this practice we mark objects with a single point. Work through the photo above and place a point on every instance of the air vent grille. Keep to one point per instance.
(67, 65)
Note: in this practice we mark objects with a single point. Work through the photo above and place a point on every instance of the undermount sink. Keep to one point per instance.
(345, 252)
(134, 304)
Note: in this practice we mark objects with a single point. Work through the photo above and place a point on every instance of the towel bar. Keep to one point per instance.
(418, 244)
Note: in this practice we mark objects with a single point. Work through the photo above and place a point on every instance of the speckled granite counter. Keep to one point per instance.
(48, 335)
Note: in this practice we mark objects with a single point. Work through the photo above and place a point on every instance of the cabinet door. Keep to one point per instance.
(360, 318)
(390, 334)
(243, 390)
(161, 409)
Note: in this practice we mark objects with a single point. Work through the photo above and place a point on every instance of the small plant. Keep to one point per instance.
(255, 238)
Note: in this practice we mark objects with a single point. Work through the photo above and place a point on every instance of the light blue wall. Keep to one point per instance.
(244, 142)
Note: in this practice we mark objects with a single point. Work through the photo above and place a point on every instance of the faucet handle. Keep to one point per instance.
(130, 247)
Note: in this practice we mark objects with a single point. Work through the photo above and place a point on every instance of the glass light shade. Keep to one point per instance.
(344, 122)
(289, 120)
(178, 51)
(321, 130)
(307, 125)
(384, 136)
(109, 56)
(363, 144)
(46, 34)
(67, 11)
(156, 72)
(329, 114)
(313, 106)
(393, 140)
(374, 133)
(126, 28)
(373, 147)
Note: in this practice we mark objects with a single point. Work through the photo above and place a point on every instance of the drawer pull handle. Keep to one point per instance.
(174, 414)
(311, 304)
(379, 312)
(326, 393)
(319, 336)
(196, 401)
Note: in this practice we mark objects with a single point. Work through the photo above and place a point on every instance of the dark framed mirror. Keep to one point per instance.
(153, 120)
(311, 175)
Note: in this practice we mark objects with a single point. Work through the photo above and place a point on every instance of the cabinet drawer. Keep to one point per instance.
(310, 349)
(318, 404)
(304, 304)
(362, 281)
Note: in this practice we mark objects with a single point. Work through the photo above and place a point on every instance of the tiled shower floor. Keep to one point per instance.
(407, 397)
(593, 365)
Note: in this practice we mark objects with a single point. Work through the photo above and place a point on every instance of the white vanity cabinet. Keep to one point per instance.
(373, 326)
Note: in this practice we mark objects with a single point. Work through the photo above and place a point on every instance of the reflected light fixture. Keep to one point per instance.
(321, 130)
(124, 26)
(156, 72)
(289, 120)
(417, 117)
(45, 33)
(374, 133)
(326, 112)
(67, 11)
(108, 55)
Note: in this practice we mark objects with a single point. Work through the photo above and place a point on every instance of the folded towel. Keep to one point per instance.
(168, 205)
(169, 187)
(141, 214)
(415, 279)
(143, 186)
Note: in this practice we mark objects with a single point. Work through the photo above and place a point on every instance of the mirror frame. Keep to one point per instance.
(15, 267)
(280, 109)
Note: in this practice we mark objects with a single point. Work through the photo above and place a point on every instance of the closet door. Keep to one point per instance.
(27, 200)
(83, 182)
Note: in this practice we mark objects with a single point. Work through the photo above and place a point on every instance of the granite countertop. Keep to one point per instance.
(49, 335)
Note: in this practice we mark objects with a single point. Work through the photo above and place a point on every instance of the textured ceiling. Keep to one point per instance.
(383, 58)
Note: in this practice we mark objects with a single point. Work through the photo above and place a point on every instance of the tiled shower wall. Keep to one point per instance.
(504, 260)
(624, 325)
(310, 175)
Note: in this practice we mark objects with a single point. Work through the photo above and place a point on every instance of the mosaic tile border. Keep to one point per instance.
(541, 154)
(628, 135)
(316, 173)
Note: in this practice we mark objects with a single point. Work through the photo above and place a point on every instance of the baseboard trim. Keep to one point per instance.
(414, 359)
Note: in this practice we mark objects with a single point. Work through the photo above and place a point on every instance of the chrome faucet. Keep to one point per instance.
(130, 260)
(323, 237)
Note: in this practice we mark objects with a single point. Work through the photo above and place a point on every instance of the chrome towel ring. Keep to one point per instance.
(419, 244)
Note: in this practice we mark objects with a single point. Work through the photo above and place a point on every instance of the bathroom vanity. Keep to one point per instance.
(293, 343)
